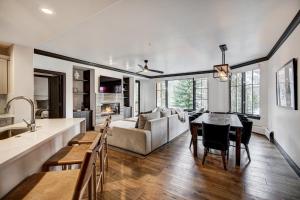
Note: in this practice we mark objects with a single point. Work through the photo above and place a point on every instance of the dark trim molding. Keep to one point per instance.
(183, 74)
(286, 156)
(62, 57)
(288, 31)
(250, 62)
(139, 97)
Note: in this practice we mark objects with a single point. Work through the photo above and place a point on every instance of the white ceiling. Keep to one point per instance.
(174, 35)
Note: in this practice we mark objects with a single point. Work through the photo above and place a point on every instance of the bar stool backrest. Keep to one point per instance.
(87, 166)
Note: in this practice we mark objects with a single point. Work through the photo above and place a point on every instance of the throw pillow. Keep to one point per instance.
(165, 113)
(137, 121)
(173, 111)
(179, 110)
(143, 118)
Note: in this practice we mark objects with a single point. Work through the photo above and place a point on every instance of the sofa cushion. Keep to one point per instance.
(143, 118)
(159, 109)
(123, 124)
(156, 109)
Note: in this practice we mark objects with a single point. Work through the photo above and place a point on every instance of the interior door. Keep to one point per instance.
(55, 97)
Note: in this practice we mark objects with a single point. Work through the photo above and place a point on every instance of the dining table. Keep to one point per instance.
(218, 119)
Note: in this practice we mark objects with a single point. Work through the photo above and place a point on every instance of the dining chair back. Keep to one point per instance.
(246, 132)
(242, 117)
(216, 137)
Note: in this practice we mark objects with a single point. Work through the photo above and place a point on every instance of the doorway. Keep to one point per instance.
(49, 94)
(137, 98)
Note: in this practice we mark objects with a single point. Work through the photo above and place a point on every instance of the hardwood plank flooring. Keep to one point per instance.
(172, 172)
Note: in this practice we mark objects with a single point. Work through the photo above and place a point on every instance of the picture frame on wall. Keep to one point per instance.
(286, 86)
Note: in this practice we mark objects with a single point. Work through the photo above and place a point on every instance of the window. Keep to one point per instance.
(244, 95)
(180, 94)
(201, 91)
(236, 92)
(161, 94)
(188, 94)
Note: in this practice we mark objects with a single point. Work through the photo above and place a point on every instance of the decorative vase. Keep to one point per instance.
(76, 75)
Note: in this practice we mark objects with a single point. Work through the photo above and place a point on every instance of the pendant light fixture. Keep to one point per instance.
(222, 71)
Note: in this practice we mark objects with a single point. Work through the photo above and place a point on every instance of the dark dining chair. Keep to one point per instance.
(216, 137)
(242, 117)
(199, 131)
(246, 135)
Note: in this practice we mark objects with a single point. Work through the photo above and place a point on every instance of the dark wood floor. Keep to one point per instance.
(172, 173)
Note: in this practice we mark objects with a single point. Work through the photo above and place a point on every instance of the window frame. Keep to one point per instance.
(166, 93)
(243, 92)
(195, 92)
(194, 100)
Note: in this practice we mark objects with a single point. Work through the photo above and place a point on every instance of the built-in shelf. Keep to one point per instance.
(81, 96)
(126, 99)
(80, 93)
(79, 80)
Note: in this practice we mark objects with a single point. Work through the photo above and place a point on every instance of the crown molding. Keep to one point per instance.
(288, 31)
(67, 58)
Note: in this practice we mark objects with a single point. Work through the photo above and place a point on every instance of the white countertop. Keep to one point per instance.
(14, 147)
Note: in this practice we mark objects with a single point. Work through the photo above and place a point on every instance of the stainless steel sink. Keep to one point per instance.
(13, 132)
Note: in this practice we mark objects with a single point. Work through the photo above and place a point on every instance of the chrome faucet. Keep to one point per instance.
(31, 125)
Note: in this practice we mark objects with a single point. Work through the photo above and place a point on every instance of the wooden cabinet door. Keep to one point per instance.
(3, 76)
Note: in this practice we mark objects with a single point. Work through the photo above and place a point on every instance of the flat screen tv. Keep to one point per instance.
(110, 85)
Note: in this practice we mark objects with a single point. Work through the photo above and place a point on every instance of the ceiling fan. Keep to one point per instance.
(145, 68)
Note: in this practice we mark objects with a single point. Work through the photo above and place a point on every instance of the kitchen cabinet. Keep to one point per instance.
(88, 118)
(3, 76)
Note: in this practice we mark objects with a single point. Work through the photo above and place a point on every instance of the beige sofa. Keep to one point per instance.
(177, 127)
(123, 134)
(157, 132)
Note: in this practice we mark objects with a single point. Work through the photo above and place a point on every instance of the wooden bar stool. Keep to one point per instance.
(66, 157)
(88, 137)
(67, 184)
(70, 155)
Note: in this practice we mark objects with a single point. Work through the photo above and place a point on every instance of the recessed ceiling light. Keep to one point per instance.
(47, 11)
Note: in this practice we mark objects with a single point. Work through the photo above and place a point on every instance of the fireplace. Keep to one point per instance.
(110, 109)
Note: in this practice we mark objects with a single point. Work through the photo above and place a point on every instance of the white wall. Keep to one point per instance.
(41, 88)
(21, 80)
(285, 123)
(148, 95)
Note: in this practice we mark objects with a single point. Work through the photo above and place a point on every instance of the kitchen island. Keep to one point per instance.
(25, 153)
